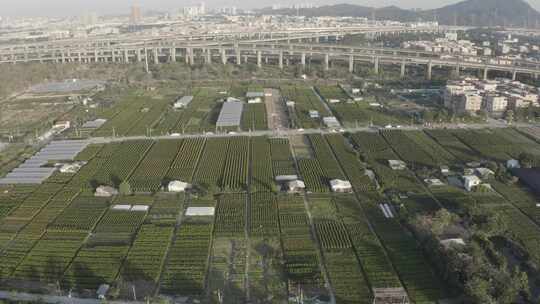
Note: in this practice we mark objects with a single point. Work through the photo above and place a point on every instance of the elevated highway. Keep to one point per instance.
(283, 48)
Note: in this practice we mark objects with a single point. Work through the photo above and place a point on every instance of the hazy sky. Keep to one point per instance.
(77, 7)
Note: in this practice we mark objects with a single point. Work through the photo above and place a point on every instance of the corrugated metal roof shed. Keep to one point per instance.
(230, 115)
(31, 172)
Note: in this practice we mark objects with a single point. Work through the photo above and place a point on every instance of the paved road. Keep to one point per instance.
(293, 132)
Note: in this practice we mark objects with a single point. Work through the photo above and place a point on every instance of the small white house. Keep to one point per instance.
(471, 181)
(71, 168)
(331, 122)
(177, 186)
(296, 186)
(513, 164)
(445, 170)
(105, 191)
(183, 102)
(333, 100)
(356, 91)
(313, 114)
(339, 185)
(397, 164)
(290, 103)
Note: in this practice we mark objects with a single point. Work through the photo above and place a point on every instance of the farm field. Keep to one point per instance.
(353, 113)
(258, 243)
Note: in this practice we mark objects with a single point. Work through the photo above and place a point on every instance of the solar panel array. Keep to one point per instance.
(230, 115)
(32, 172)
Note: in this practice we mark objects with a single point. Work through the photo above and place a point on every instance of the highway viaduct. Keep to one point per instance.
(263, 48)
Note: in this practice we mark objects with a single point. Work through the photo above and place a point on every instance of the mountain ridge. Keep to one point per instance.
(467, 12)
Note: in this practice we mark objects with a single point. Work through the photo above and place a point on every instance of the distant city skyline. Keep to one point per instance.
(61, 8)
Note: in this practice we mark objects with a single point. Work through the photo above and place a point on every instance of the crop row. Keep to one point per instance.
(235, 171)
(50, 257)
(184, 165)
(313, 175)
(282, 161)
(230, 215)
(408, 150)
(149, 175)
(325, 157)
(261, 165)
(146, 257)
(254, 117)
(264, 215)
(185, 271)
(211, 164)
(122, 163)
(299, 249)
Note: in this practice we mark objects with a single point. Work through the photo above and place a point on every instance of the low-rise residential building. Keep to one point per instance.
(471, 181)
(496, 103)
(494, 96)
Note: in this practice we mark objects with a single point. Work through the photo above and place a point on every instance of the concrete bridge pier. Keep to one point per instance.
(96, 56)
(514, 75)
(138, 54)
(208, 56)
(457, 70)
(113, 56)
(186, 56)
(303, 59)
(191, 56)
(223, 57)
(376, 65)
(351, 63)
(281, 60)
(485, 73)
(238, 55)
(156, 58)
(429, 70)
(259, 59)
(402, 73)
(326, 62)
(173, 54)
(126, 56)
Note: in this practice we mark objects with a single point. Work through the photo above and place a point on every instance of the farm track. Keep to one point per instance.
(322, 264)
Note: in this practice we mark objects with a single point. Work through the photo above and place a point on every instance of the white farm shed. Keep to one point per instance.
(178, 186)
(105, 191)
(200, 211)
(339, 185)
